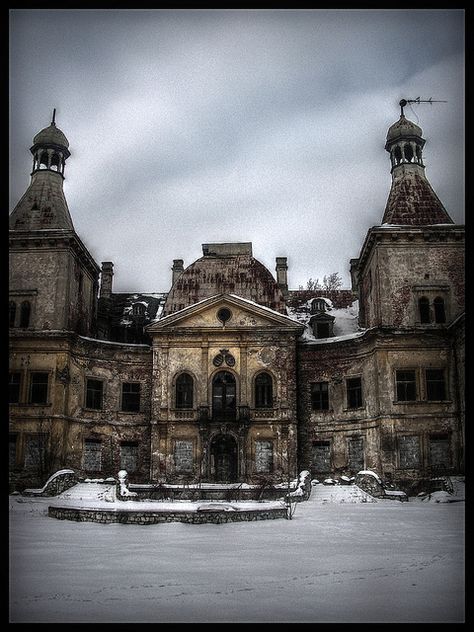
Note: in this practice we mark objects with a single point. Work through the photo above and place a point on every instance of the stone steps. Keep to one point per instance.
(87, 491)
(328, 494)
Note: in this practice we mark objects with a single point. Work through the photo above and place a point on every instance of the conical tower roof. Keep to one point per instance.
(411, 200)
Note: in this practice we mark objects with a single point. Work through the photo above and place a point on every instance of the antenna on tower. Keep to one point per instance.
(405, 102)
(54, 116)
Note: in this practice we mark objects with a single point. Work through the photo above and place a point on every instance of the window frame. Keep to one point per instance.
(398, 382)
(321, 398)
(128, 395)
(10, 384)
(444, 381)
(350, 390)
(86, 391)
(180, 390)
(31, 386)
(130, 443)
(263, 393)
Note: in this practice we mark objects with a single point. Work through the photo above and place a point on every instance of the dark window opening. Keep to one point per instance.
(439, 311)
(131, 397)
(263, 391)
(354, 392)
(184, 391)
(398, 154)
(25, 314)
(408, 151)
(224, 396)
(12, 313)
(14, 387)
(320, 396)
(424, 307)
(406, 386)
(94, 392)
(39, 388)
(435, 385)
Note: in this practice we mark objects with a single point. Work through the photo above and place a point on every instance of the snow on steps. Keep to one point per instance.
(88, 491)
(326, 494)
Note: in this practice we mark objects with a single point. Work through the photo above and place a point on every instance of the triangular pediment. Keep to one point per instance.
(210, 313)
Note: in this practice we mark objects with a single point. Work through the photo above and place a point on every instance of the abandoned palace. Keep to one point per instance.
(230, 375)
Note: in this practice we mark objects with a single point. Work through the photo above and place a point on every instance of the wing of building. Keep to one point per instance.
(231, 376)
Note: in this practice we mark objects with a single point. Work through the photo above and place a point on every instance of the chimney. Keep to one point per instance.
(177, 269)
(282, 277)
(107, 272)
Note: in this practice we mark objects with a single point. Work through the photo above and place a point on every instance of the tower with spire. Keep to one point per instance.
(51, 271)
(409, 272)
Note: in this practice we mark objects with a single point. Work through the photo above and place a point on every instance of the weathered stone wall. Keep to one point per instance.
(157, 517)
(382, 422)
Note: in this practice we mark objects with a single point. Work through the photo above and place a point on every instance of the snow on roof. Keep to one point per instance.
(346, 325)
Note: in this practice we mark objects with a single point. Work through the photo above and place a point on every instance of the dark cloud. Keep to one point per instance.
(267, 126)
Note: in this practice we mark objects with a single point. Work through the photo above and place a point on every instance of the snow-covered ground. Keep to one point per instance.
(336, 561)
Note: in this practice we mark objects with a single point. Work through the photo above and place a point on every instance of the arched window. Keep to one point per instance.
(263, 391)
(184, 391)
(138, 309)
(408, 151)
(12, 313)
(25, 314)
(398, 155)
(424, 307)
(439, 311)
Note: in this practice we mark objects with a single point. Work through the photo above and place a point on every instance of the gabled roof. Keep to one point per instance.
(267, 317)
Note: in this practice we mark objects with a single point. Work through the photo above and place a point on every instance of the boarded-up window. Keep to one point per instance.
(263, 456)
(92, 455)
(440, 454)
(322, 457)
(409, 451)
(129, 456)
(35, 446)
(12, 450)
(356, 454)
(183, 455)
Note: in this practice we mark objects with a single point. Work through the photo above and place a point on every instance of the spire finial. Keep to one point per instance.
(402, 104)
(54, 116)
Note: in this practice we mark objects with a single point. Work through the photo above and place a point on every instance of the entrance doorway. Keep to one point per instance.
(224, 458)
(223, 397)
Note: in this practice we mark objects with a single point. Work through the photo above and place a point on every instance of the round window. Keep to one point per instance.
(224, 314)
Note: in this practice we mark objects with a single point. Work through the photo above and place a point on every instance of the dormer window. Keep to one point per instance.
(318, 305)
(322, 325)
(138, 309)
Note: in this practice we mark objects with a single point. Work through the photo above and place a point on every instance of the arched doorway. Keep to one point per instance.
(224, 458)
(223, 397)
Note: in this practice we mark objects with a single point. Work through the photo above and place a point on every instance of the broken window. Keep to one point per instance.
(354, 392)
(129, 456)
(14, 387)
(263, 391)
(435, 385)
(93, 455)
(38, 388)
(409, 451)
(321, 462)
(183, 455)
(25, 311)
(424, 308)
(184, 391)
(439, 311)
(406, 385)
(264, 456)
(94, 392)
(320, 396)
(131, 397)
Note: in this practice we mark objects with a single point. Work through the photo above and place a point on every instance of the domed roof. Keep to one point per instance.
(219, 273)
(51, 135)
(403, 127)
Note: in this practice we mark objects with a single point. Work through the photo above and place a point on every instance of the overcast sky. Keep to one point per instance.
(195, 126)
